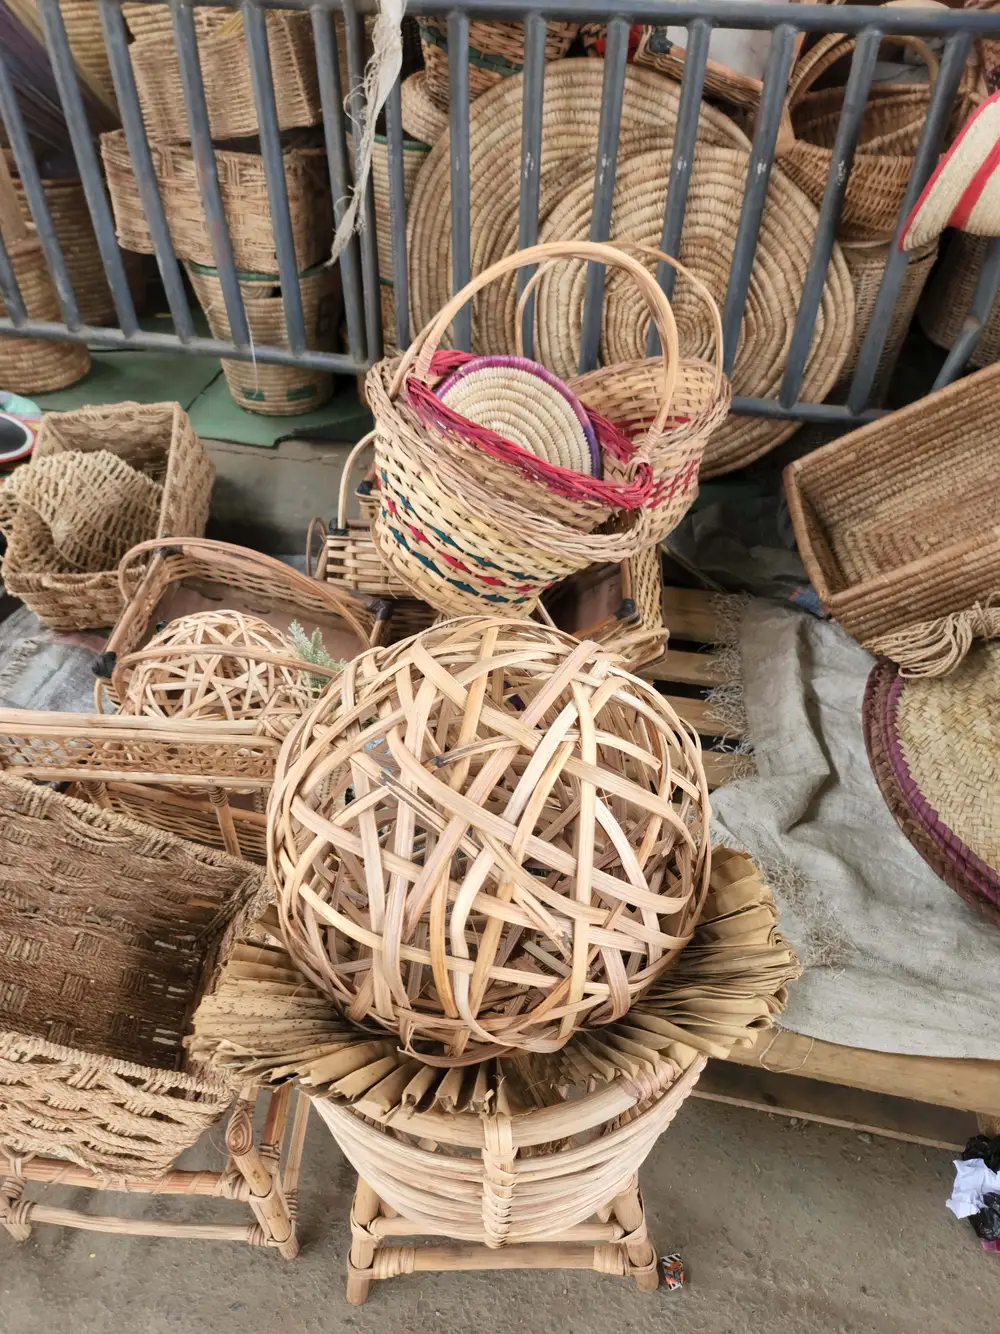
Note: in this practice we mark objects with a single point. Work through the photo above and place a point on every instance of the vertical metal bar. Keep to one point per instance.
(842, 160)
(983, 300)
(205, 168)
(681, 159)
(458, 121)
(354, 34)
(24, 160)
(332, 98)
(259, 55)
(531, 162)
(612, 93)
(9, 288)
(116, 42)
(956, 53)
(772, 98)
(64, 72)
(397, 215)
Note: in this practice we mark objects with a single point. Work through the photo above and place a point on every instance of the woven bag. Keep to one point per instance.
(464, 525)
(898, 526)
(890, 130)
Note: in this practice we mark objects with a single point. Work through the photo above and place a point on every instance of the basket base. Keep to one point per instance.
(615, 1244)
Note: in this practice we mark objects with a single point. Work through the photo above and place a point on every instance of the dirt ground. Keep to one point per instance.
(784, 1229)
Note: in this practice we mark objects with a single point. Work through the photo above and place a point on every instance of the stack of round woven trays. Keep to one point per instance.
(569, 142)
(495, 480)
(933, 749)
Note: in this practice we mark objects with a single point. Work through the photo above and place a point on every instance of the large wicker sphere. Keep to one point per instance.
(487, 837)
(215, 665)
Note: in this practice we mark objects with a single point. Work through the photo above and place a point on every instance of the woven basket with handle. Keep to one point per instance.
(898, 525)
(466, 526)
(112, 933)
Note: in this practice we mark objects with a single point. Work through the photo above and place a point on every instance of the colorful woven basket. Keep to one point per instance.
(465, 523)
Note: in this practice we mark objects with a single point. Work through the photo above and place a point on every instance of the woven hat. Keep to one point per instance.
(933, 747)
(964, 190)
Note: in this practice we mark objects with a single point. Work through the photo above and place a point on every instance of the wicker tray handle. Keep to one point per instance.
(224, 553)
(421, 350)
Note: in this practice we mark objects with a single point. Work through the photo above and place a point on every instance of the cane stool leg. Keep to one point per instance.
(267, 1198)
(13, 1213)
(364, 1211)
(628, 1209)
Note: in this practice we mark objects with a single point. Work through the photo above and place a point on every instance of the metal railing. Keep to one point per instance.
(359, 262)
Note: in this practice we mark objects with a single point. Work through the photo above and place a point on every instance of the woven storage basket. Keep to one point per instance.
(952, 794)
(243, 188)
(496, 51)
(225, 67)
(781, 261)
(112, 933)
(82, 19)
(569, 145)
(890, 131)
(154, 21)
(465, 523)
(154, 438)
(527, 1149)
(898, 525)
(414, 156)
(866, 263)
(423, 120)
(492, 738)
(949, 297)
(75, 232)
(275, 391)
(29, 365)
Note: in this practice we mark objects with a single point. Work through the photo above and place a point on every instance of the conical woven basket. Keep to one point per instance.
(28, 365)
(273, 390)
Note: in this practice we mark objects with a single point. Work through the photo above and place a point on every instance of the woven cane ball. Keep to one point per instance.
(215, 665)
(487, 837)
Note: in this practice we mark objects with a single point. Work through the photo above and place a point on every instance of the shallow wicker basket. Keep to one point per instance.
(112, 934)
(496, 50)
(273, 390)
(225, 67)
(492, 738)
(243, 188)
(29, 365)
(898, 525)
(156, 439)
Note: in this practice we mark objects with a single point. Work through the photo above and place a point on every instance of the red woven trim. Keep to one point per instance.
(563, 481)
(963, 208)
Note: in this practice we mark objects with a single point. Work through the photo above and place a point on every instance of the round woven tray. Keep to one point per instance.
(569, 141)
(784, 246)
(976, 882)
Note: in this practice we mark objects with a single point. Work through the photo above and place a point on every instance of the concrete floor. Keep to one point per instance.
(784, 1229)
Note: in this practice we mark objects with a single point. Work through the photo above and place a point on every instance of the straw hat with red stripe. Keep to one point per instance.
(964, 191)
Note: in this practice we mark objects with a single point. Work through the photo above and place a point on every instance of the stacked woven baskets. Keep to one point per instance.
(275, 390)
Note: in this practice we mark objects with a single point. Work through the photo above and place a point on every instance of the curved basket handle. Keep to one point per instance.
(829, 49)
(345, 478)
(426, 343)
(316, 525)
(339, 603)
(652, 253)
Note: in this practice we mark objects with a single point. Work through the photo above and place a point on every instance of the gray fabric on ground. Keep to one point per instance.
(895, 960)
(41, 670)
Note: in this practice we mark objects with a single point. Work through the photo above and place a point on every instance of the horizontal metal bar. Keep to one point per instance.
(721, 13)
(983, 301)
(337, 363)
(116, 42)
(824, 413)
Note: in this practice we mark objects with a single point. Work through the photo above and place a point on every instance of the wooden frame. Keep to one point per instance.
(260, 1176)
(616, 1243)
(963, 1085)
